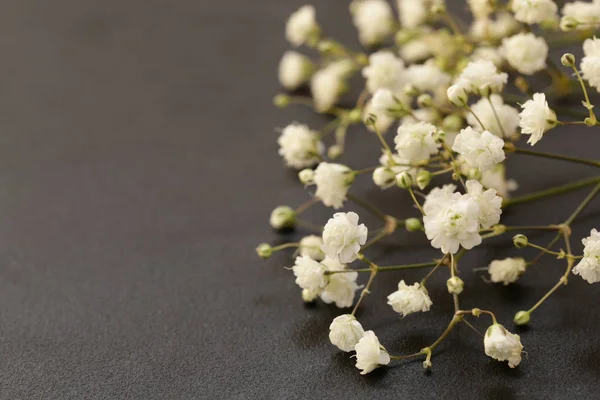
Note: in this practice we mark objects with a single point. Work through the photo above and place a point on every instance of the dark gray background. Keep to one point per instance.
(138, 167)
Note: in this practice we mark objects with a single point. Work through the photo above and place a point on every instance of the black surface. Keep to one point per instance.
(138, 167)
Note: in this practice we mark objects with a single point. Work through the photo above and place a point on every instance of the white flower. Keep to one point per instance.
(495, 178)
(587, 14)
(481, 8)
(487, 30)
(438, 198)
(301, 25)
(480, 150)
(282, 217)
(342, 237)
(384, 101)
(373, 19)
(488, 53)
(457, 95)
(341, 287)
(590, 64)
(370, 354)
(385, 71)
(311, 246)
(383, 120)
(327, 84)
(589, 266)
(525, 52)
(415, 50)
(508, 116)
(409, 299)
(490, 205)
(481, 77)
(294, 70)
(506, 271)
(333, 182)
(414, 142)
(502, 345)
(427, 77)
(384, 177)
(534, 11)
(300, 146)
(413, 12)
(345, 331)
(310, 274)
(536, 118)
(456, 223)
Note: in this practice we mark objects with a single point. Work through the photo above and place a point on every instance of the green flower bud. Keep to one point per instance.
(568, 60)
(281, 100)
(413, 225)
(335, 152)
(283, 217)
(424, 100)
(264, 250)
(306, 176)
(423, 179)
(522, 318)
(455, 285)
(520, 241)
(404, 180)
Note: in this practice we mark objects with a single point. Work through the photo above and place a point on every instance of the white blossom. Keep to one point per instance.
(328, 83)
(310, 274)
(409, 299)
(525, 52)
(301, 25)
(413, 13)
(374, 20)
(384, 177)
(495, 178)
(480, 150)
(383, 120)
(488, 53)
(502, 345)
(439, 197)
(589, 266)
(590, 63)
(457, 95)
(383, 101)
(508, 116)
(333, 182)
(506, 271)
(343, 237)
(294, 70)
(534, 11)
(370, 354)
(481, 8)
(427, 77)
(300, 146)
(415, 50)
(385, 71)
(311, 246)
(587, 14)
(481, 77)
(341, 287)
(414, 142)
(345, 332)
(536, 118)
(490, 205)
(488, 30)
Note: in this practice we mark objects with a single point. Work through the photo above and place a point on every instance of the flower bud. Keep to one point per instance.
(568, 60)
(425, 100)
(455, 285)
(520, 241)
(264, 250)
(404, 180)
(370, 120)
(423, 179)
(568, 24)
(522, 318)
(427, 364)
(355, 116)
(306, 176)
(410, 90)
(283, 217)
(402, 37)
(439, 136)
(457, 95)
(309, 296)
(384, 177)
(335, 151)
(438, 9)
(413, 225)
(281, 100)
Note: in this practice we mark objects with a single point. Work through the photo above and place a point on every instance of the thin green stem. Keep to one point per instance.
(585, 93)
(285, 246)
(550, 192)
(424, 280)
(383, 142)
(365, 291)
(476, 117)
(577, 160)
(412, 194)
(308, 204)
(583, 205)
(496, 116)
(368, 206)
(387, 268)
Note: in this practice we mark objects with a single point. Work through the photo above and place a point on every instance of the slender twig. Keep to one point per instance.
(550, 192)
(558, 157)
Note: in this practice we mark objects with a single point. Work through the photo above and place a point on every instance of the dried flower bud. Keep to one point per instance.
(264, 250)
(522, 318)
(520, 241)
(427, 364)
(404, 180)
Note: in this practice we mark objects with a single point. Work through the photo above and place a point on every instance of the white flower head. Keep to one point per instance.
(488, 30)
(589, 266)
(525, 52)
(333, 182)
(415, 142)
(490, 205)
(502, 345)
(480, 150)
(428, 77)
(457, 95)
(370, 354)
(585, 13)
(294, 70)
(495, 178)
(413, 13)
(536, 118)
(311, 246)
(481, 9)
(508, 116)
(383, 120)
(410, 299)
(374, 20)
(438, 198)
(482, 77)
(300, 146)
(488, 53)
(343, 237)
(384, 101)
(341, 287)
(385, 71)
(301, 26)
(345, 332)
(534, 11)
(590, 63)
(506, 271)
(384, 177)
(310, 274)
(327, 84)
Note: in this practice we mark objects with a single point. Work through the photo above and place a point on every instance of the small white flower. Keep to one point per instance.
(502, 345)
(438, 198)
(383, 120)
(495, 178)
(384, 177)
(490, 205)
(536, 118)
(370, 354)
(301, 25)
(534, 11)
(487, 30)
(413, 13)
(589, 266)
(587, 14)
(341, 287)
(311, 246)
(342, 237)
(480, 150)
(300, 146)
(488, 53)
(414, 142)
(373, 19)
(310, 274)
(333, 182)
(590, 64)
(427, 77)
(525, 52)
(282, 217)
(457, 95)
(385, 71)
(409, 299)
(481, 8)
(482, 77)
(294, 70)
(327, 84)
(345, 332)
(416, 50)
(384, 102)
(508, 116)
(506, 271)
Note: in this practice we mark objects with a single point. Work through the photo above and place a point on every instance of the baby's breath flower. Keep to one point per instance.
(506, 271)
(536, 118)
(586, 14)
(589, 266)
(590, 64)
(341, 287)
(301, 26)
(480, 150)
(311, 246)
(490, 205)
(300, 146)
(333, 182)
(415, 142)
(294, 70)
(327, 84)
(373, 19)
(525, 52)
(482, 77)
(409, 299)
(534, 11)
(370, 354)
(502, 345)
(343, 237)
(282, 217)
(345, 332)
(385, 71)
(310, 274)
(481, 8)
(508, 116)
